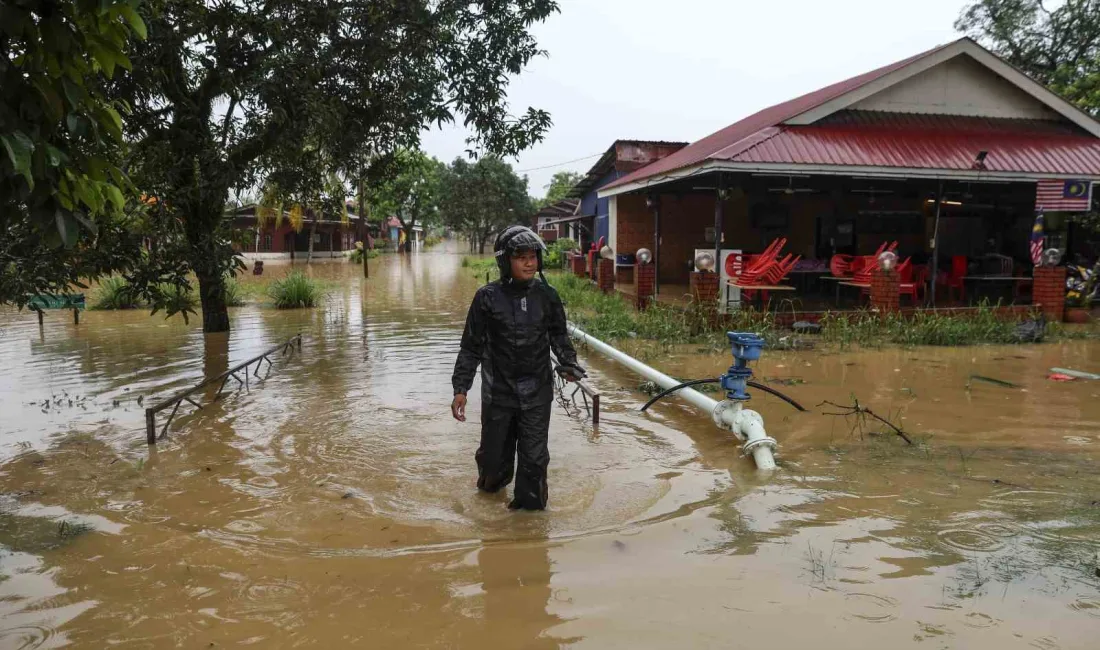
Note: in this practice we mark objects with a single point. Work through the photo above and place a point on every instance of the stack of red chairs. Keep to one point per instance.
(858, 267)
(767, 268)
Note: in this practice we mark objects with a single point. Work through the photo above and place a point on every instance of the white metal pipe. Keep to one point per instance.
(744, 423)
(694, 397)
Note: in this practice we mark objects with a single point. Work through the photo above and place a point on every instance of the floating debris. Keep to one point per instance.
(991, 380)
(1078, 374)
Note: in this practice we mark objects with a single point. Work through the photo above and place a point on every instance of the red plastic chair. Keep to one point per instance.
(915, 283)
(955, 280)
(840, 265)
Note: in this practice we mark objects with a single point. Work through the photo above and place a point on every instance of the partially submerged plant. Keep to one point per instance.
(114, 293)
(294, 291)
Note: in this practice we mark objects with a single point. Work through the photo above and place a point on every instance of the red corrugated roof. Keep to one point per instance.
(880, 139)
(927, 142)
(712, 145)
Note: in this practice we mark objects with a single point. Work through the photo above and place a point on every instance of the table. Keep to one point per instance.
(759, 288)
(803, 277)
(999, 278)
(838, 280)
(858, 285)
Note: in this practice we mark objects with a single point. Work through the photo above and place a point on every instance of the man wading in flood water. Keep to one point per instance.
(510, 329)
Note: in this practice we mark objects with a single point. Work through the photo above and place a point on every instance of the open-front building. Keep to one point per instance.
(949, 154)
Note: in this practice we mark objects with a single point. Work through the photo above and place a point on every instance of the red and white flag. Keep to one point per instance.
(1058, 195)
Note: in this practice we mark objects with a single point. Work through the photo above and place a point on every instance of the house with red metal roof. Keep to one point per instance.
(941, 153)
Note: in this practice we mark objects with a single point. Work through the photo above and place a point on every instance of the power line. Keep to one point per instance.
(567, 162)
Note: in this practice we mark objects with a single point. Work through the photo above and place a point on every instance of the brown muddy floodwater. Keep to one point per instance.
(333, 505)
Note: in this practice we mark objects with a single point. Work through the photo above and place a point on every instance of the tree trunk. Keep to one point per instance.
(312, 231)
(215, 316)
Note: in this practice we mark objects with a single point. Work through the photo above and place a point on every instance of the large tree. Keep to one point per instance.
(1059, 47)
(63, 196)
(410, 191)
(561, 183)
(482, 198)
(228, 92)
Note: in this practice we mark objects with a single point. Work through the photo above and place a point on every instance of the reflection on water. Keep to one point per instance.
(332, 503)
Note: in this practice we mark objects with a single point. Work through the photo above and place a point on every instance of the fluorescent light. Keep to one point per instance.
(945, 202)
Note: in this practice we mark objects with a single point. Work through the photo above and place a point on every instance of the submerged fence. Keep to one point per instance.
(235, 372)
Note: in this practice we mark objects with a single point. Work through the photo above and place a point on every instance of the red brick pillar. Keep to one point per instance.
(1049, 291)
(885, 294)
(605, 275)
(578, 265)
(645, 279)
(704, 287)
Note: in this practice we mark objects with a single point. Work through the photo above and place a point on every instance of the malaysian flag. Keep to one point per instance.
(1037, 239)
(1057, 195)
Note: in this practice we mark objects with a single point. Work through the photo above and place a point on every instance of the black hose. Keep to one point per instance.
(769, 389)
(693, 382)
(696, 382)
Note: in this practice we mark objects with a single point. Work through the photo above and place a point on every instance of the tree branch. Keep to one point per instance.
(234, 97)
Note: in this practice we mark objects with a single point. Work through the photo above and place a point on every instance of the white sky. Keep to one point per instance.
(682, 69)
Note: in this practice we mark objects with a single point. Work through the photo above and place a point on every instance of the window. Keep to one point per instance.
(265, 243)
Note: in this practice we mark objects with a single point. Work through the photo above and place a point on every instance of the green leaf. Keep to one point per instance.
(54, 156)
(136, 23)
(116, 119)
(66, 227)
(73, 92)
(114, 196)
(20, 149)
(84, 221)
(104, 58)
(50, 98)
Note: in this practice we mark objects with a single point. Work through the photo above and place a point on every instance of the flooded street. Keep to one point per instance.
(332, 505)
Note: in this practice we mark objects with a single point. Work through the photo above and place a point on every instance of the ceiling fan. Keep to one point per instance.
(790, 189)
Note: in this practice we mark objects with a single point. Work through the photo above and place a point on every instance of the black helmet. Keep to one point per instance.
(512, 240)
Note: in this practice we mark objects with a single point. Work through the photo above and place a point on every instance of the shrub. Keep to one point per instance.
(174, 300)
(114, 293)
(295, 291)
(234, 296)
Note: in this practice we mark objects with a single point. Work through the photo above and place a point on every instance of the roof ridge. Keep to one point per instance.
(771, 116)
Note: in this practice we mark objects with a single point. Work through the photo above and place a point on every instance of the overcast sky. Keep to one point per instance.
(682, 69)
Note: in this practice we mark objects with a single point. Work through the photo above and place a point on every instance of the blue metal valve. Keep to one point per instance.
(746, 347)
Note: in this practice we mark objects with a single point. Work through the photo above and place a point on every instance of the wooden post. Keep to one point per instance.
(150, 426)
(40, 315)
(934, 271)
(719, 214)
(76, 315)
(656, 243)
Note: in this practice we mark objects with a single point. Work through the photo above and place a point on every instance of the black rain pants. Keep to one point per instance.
(506, 432)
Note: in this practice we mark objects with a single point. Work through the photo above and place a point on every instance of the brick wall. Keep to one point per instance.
(646, 275)
(1049, 291)
(578, 265)
(704, 287)
(885, 287)
(606, 275)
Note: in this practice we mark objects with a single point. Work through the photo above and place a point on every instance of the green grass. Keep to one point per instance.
(612, 317)
(938, 328)
(479, 266)
(113, 293)
(234, 294)
(294, 291)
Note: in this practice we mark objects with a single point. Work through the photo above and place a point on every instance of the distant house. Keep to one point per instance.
(621, 158)
(548, 221)
(394, 233)
(332, 236)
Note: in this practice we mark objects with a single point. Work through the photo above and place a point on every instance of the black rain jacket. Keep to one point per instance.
(510, 330)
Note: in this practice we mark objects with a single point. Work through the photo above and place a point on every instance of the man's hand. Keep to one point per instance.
(458, 407)
(571, 373)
